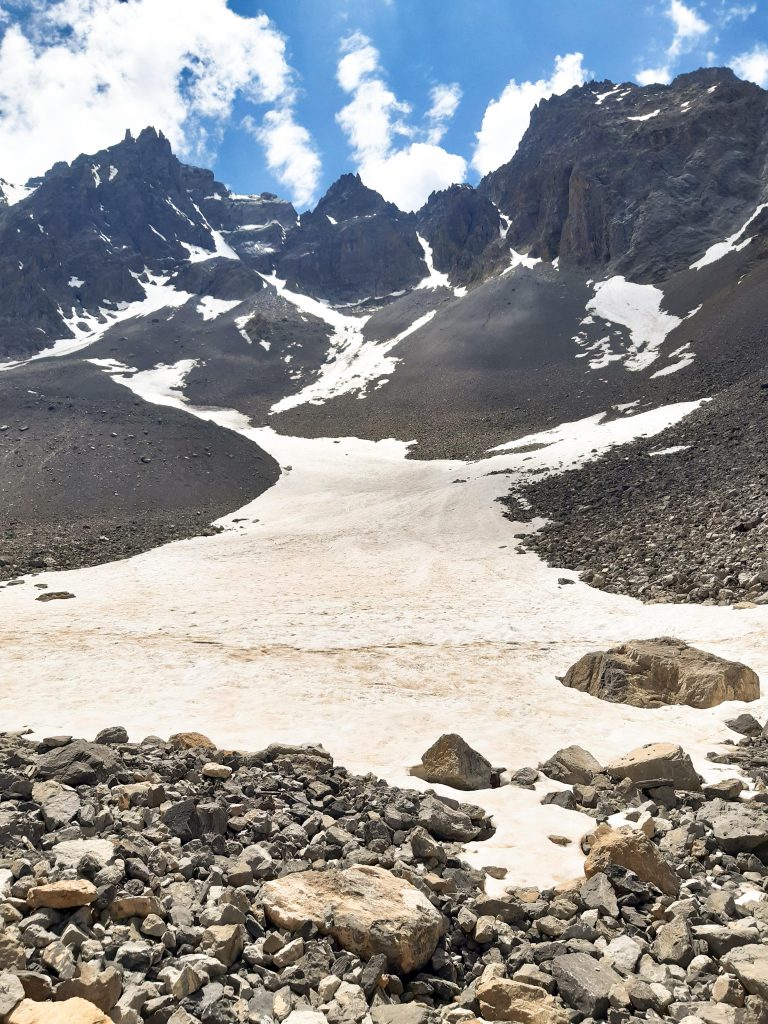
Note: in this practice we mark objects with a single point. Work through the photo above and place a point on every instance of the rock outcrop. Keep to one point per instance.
(652, 673)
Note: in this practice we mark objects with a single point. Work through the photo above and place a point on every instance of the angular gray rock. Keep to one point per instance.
(572, 765)
(738, 827)
(78, 763)
(584, 983)
(652, 673)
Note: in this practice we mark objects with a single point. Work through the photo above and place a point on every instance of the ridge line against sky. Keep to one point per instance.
(288, 94)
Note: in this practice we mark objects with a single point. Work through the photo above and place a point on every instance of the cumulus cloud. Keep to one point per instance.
(506, 119)
(753, 65)
(401, 161)
(76, 73)
(689, 28)
(289, 151)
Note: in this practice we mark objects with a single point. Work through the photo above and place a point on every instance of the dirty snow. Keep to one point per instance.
(719, 249)
(369, 603)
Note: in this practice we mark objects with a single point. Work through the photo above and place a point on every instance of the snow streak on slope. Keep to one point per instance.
(719, 249)
(352, 362)
(435, 278)
(380, 655)
(89, 327)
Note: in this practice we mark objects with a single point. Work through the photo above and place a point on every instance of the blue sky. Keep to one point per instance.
(286, 95)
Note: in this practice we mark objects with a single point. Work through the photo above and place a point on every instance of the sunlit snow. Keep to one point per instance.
(719, 249)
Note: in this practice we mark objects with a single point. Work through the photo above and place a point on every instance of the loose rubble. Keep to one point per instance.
(170, 882)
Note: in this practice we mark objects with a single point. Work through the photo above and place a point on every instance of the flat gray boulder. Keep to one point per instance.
(450, 761)
(654, 765)
(662, 671)
(750, 965)
(572, 765)
(737, 827)
(584, 983)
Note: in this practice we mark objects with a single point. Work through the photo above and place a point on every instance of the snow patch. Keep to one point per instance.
(210, 308)
(75, 282)
(14, 193)
(645, 117)
(671, 451)
(519, 259)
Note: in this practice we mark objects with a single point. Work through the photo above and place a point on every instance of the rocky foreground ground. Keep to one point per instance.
(170, 881)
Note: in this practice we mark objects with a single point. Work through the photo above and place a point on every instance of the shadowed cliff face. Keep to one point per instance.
(638, 181)
(465, 231)
(353, 246)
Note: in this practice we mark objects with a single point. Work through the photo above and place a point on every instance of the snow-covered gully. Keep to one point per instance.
(368, 602)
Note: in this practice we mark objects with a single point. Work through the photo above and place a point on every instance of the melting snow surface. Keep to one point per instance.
(719, 249)
(380, 656)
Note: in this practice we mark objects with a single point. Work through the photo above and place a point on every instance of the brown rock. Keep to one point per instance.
(450, 761)
(223, 941)
(653, 673)
(62, 895)
(367, 910)
(102, 988)
(191, 741)
(134, 906)
(632, 850)
(70, 1011)
(501, 999)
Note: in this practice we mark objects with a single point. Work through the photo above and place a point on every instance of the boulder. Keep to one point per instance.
(191, 741)
(654, 765)
(750, 965)
(112, 734)
(653, 673)
(631, 849)
(11, 993)
(367, 910)
(102, 988)
(450, 761)
(584, 983)
(78, 763)
(737, 827)
(745, 724)
(501, 999)
(62, 895)
(572, 765)
(70, 1011)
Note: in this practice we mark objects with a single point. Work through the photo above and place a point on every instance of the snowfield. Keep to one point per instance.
(368, 602)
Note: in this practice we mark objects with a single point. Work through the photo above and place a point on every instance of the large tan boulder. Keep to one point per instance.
(69, 1011)
(656, 764)
(367, 910)
(653, 673)
(450, 761)
(62, 895)
(501, 999)
(631, 849)
(191, 741)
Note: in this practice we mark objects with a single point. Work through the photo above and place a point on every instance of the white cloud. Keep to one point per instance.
(506, 119)
(402, 162)
(690, 28)
(753, 65)
(290, 153)
(76, 73)
(445, 102)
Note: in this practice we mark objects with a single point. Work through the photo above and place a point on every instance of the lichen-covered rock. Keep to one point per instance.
(367, 910)
(652, 673)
